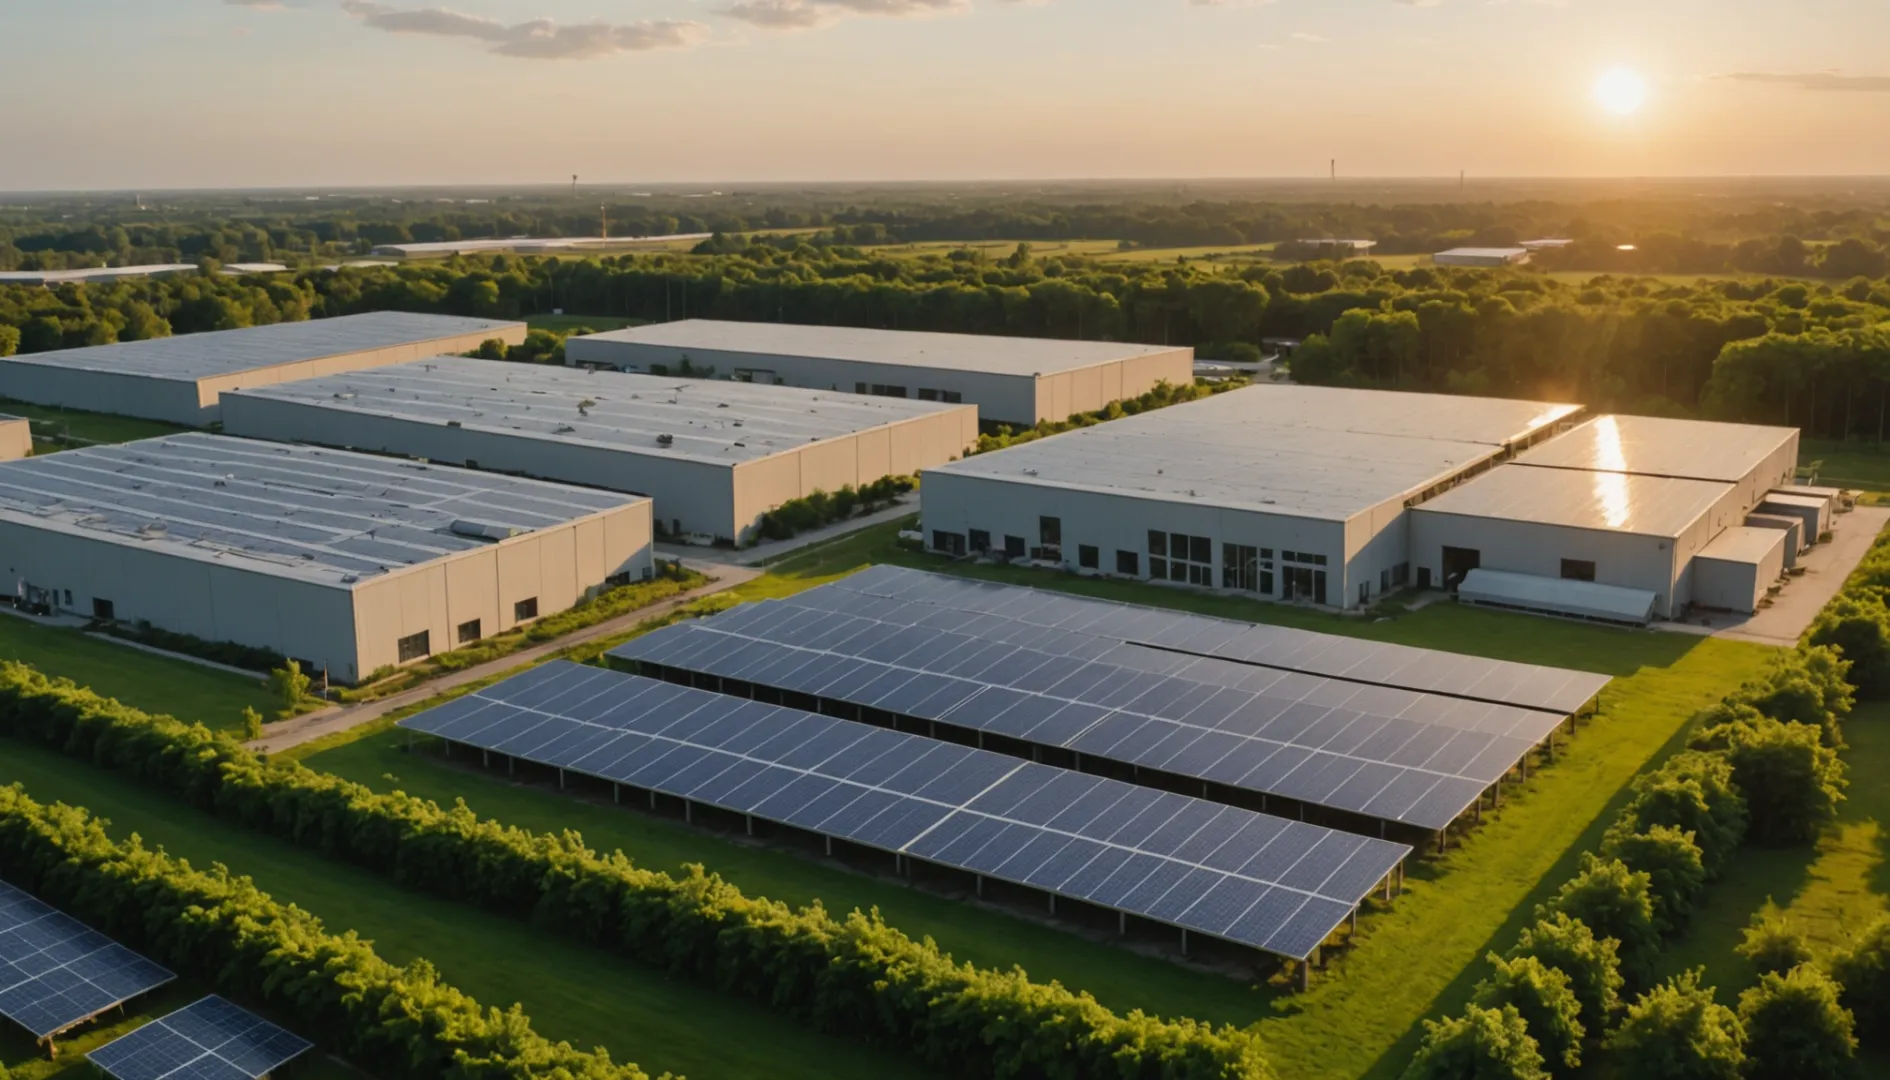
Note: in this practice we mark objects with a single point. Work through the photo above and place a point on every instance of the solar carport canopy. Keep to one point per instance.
(1261, 881)
(1383, 752)
(56, 972)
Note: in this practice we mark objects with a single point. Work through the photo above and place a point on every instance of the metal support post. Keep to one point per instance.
(749, 820)
(1184, 943)
(829, 844)
(688, 811)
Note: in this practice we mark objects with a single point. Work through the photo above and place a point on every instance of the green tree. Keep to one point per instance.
(1858, 625)
(1676, 1031)
(252, 724)
(1482, 1044)
(1771, 943)
(1590, 962)
(1693, 792)
(1795, 1027)
(290, 685)
(1792, 781)
(9, 339)
(1614, 902)
(1542, 996)
(1672, 863)
(1864, 971)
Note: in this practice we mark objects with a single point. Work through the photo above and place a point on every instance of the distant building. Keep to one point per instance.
(16, 438)
(523, 245)
(1341, 249)
(1486, 257)
(1545, 245)
(93, 274)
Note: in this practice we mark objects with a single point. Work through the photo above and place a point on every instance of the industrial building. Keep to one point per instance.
(16, 438)
(1291, 492)
(1341, 249)
(1625, 502)
(180, 379)
(526, 245)
(347, 562)
(714, 455)
(1485, 257)
(1011, 380)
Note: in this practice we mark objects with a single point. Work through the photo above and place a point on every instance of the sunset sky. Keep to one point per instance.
(228, 93)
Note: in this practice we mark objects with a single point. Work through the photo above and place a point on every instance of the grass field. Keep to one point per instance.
(152, 683)
(564, 324)
(88, 427)
(1848, 464)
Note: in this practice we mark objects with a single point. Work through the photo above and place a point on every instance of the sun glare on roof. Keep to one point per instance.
(1611, 482)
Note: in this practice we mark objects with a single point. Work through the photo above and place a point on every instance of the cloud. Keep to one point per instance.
(808, 14)
(537, 39)
(1815, 80)
(1301, 35)
(258, 5)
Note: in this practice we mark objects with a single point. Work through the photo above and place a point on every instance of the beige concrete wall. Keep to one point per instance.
(210, 390)
(559, 566)
(16, 438)
(1067, 393)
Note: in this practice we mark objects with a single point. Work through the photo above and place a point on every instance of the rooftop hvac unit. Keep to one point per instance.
(482, 530)
(665, 440)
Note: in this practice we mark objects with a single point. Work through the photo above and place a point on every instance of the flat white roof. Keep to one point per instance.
(190, 357)
(1651, 446)
(1744, 544)
(93, 273)
(1614, 502)
(709, 420)
(549, 243)
(1486, 253)
(902, 348)
(1304, 451)
(325, 516)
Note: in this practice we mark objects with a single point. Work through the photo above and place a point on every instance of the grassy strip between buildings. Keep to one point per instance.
(154, 683)
(84, 427)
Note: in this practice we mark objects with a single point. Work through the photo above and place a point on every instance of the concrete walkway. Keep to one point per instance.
(302, 729)
(754, 556)
(1798, 603)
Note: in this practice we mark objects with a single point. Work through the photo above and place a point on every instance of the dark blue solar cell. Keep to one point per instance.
(1022, 717)
(1418, 750)
(659, 771)
(1120, 813)
(1308, 927)
(689, 780)
(983, 708)
(1496, 759)
(833, 743)
(796, 795)
(1163, 877)
(434, 720)
(998, 849)
(935, 760)
(879, 758)
(1401, 794)
(1264, 919)
(1176, 741)
(1046, 802)
(1216, 908)
(1209, 838)
(1276, 767)
(1309, 874)
(758, 789)
(849, 817)
(1067, 724)
(574, 745)
(956, 837)
(906, 698)
(1366, 783)
(1316, 778)
(1071, 858)
(899, 826)
(1459, 752)
(1362, 872)
(1285, 849)
(1031, 855)
(1009, 670)
(1193, 816)
(1051, 671)
(1102, 737)
(1442, 804)
(1112, 889)
(950, 694)
(1014, 789)
(1184, 895)
(852, 680)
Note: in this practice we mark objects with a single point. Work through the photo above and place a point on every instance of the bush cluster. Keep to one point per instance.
(853, 976)
(398, 1022)
(247, 657)
(811, 512)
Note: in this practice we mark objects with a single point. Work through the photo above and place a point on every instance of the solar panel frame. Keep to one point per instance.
(56, 972)
(210, 1039)
(962, 807)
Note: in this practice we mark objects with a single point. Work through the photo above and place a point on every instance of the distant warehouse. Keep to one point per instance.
(1011, 380)
(345, 561)
(714, 455)
(1292, 492)
(1489, 257)
(179, 379)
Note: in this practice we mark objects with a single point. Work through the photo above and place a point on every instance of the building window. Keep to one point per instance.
(1401, 575)
(468, 632)
(525, 609)
(414, 646)
(1364, 592)
(68, 598)
(951, 397)
(1384, 581)
(1013, 547)
(103, 610)
(980, 541)
(1188, 558)
(1088, 557)
(882, 390)
(1246, 567)
(950, 543)
(927, 395)
(1578, 569)
(618, 580)
(1049, 540)
(859, 388)
(1129, 563)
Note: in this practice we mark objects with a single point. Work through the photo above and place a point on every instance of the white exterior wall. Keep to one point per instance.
(195, 403)
(1008, 399)
(349, 631)
(1117, 521)
(1521, 547)
(16, 438)
(1728, 585)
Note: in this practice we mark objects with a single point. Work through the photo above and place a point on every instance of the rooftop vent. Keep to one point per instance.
(482, 530)
(452, 423)
(665, 439)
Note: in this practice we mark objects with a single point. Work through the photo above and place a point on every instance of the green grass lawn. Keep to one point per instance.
(153, 683)
(1848, 464)
(85, 426)
(564, 324)
(571, 992)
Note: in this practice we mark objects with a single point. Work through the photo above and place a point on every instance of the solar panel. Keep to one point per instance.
(1382, 752)
(209, 1040)
(1262, 881)
(56, 972)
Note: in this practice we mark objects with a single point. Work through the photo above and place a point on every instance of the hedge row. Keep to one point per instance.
(398, 1022)
(855, 976)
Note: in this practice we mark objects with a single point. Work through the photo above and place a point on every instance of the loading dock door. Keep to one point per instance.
(1458, 562)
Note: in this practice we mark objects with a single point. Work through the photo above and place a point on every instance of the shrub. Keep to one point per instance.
(1795, 1028)
(252, 724)
(1482, 1044)
(811, 512)
(1590, 963)
(1793, 783)
(1858, 625)
(1772, 945)
(1614, 902)
(1672, 863)
(1864, 972)
(1676, 1031)
(1693, 792)
(1804, 686)
(289, 685)
(1541, 995)
(396, 1022)
(854, 976)
(247, 657)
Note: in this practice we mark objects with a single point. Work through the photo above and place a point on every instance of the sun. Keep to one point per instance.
(1620, 91)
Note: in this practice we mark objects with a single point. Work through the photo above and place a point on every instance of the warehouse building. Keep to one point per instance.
(1291, 492)
(1753, 458)
(1485, 257)
(348, 562)
(1011, 380)
(16, 438)
(714, 455)
(180, 379)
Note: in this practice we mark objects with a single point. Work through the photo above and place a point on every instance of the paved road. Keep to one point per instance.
(287, 733)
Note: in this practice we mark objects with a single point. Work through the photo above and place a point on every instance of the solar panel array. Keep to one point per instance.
(209, 1040)
(1277, 885)
(56, 972)
(1394, 754)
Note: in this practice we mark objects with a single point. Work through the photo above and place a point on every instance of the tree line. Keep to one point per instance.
(1767, 350)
